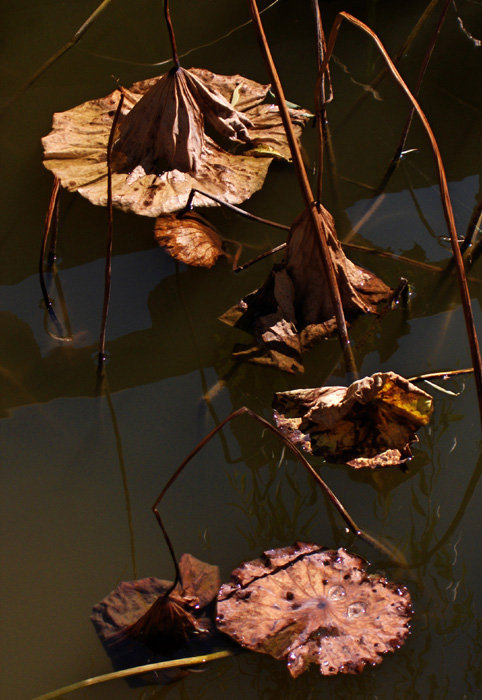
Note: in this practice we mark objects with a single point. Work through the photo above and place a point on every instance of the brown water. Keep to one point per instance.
(80, 471)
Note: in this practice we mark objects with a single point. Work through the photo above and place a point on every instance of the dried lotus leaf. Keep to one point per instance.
(137, 624)
(306, 604)
(162, 151)
(190, 239)
(293, 309)
(371, 423)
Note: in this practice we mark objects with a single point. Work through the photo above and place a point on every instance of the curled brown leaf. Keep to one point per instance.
(189, 238)
(137, 622)
(371, 423)
(293, 309)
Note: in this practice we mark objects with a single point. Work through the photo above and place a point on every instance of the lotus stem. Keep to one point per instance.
(305, 189)
(474, 224)
(320, 96)
(399, 55)
(108, 257)
(440, 375)
(52, 215)
(388, 550)
(172, 37)
(51, 211)
(135, 671)
(58, 54)
(446, 203)
(403, 139)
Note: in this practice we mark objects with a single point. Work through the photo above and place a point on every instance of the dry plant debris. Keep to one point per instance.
(189, 238)
(162, 150)
(137, 623)
(371, 423)
(306, 604)
(293, 310)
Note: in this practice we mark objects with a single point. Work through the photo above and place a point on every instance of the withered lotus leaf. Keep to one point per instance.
(137, 624)
(293, 310)
(306, 604)
(166, 127)
(162, 151)
(189, 238)
(371, 423)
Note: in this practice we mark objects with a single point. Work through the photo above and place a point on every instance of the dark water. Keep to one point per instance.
(80, 471)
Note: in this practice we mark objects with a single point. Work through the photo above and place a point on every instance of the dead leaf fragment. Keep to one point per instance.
(371, 423)
(138, 624)
(189, 238)
(293, 310)
(306, 604)
(163, 151)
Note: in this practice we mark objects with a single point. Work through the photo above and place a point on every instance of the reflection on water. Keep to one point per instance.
(80, 471)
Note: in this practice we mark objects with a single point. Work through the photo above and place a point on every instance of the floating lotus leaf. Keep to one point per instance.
(293, 310)
(189, 238)
(371, 423)
(162, 151)
(137, 624)
(306, 604)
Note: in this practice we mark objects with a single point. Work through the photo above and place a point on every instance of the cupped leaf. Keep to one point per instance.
(309, 605)
(371, 423)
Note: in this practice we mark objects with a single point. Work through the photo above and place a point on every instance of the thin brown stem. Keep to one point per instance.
(52, 209)
(110, 226)
(54, 235)
(321, 98)
(440, 375)
(52, 215)
(172, 37)
(446, 203)
(474, 224)
(326, 489)
(264, 255)
(58, 54)
(403, 139)
(303, 181)
(399, 55)
(363, 249)
(189, 207)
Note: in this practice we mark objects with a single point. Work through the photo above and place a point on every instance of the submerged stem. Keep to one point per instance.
(52, 215)
(474, 225)
(51, 211)
(399, 55)
(320, 96)
(108, 257)
(403, 139)
(58, 54)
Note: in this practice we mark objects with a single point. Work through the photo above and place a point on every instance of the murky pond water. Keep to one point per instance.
(80, 470)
